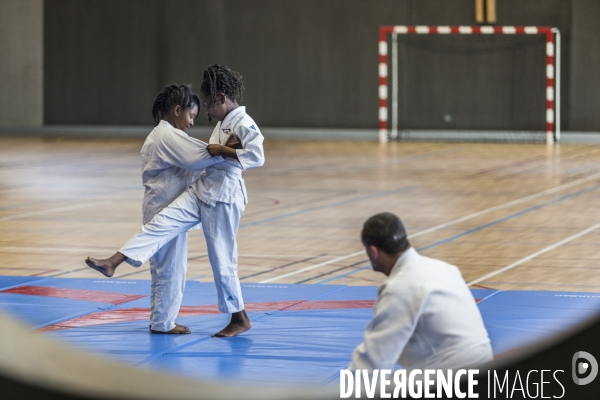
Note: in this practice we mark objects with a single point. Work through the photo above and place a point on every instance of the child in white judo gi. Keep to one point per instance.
(217, 198)
(170, 162)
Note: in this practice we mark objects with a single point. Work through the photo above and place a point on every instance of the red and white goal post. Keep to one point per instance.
(552, 69)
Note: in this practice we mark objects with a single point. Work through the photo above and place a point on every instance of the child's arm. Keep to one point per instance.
(225, 150)
(233, 142)
(250, 153)
(185, 152)
(253, 154)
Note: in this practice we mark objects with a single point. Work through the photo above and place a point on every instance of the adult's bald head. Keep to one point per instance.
(386, 232)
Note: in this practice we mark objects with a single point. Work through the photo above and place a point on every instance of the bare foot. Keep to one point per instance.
(107, 266)
(176, 324)
(240, 323)
(178, 330)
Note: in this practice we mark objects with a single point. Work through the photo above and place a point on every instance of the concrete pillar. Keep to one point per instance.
(22, 63)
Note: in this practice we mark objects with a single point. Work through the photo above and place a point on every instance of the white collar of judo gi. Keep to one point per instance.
(232, 114)
(167, 124)
(408, 257)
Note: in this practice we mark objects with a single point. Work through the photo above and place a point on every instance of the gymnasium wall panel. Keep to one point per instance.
(306, 63)
(101, 60)
(584, 89)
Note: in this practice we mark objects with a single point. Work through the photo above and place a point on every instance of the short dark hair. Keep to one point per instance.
(171, 96)
(386, 232)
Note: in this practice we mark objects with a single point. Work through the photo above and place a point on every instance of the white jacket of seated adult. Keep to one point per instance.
(221, 181)
(425, 317)
(171, 161)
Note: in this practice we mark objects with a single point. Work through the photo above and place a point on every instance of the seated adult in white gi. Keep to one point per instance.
(425, 316)
(217, 198)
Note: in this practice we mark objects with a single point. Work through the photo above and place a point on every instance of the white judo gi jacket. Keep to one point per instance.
(171, 161)
(424, 317)
(221, 181)
(217, 199)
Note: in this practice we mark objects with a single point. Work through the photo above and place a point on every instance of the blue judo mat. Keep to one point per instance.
(302, 334)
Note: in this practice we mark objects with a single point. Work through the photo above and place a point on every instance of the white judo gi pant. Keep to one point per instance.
(220, 224)
(168, 267)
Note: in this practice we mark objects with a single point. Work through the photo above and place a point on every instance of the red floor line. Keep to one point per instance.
(44, 272)
(483, 287)
(75, 294)
(140, 314)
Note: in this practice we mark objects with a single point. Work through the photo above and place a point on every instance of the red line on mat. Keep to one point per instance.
(75, 294)
(44, 272)
(333, 304)
(484, 287)
(140, 314)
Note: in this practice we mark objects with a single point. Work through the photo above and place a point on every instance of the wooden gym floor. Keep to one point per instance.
(511, 216)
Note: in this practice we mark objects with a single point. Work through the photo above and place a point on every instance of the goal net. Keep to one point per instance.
(469, 83)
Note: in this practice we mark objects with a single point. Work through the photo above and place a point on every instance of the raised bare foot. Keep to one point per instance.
(178, 330)
(239, 323)
(107, 266)
(101, 266)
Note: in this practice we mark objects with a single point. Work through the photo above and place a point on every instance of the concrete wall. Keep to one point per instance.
(21, 63)
(313, 63)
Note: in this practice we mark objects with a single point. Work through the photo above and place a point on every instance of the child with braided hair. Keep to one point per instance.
(170, 162)
(217, 198)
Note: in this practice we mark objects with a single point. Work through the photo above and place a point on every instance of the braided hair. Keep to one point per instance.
(171, 96)
(221, 79)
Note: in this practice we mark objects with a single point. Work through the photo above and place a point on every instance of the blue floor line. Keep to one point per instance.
(69, 271)
(328, 380)
(481, 227)
(258, 318)
(328, 293)
(343, 275)
(541, 284)
(139, 271)
(182, 346)
(365, 197)
(491, 295)
(519, 213)
(173, 349)
(408, 158)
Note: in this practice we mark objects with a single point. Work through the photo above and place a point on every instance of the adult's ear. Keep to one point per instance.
(373, 252)
(177, 110)
(221, 98)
